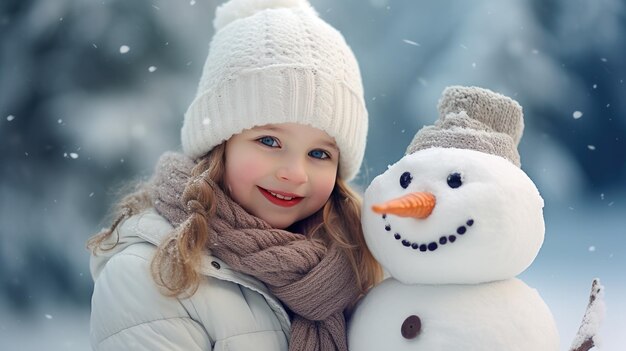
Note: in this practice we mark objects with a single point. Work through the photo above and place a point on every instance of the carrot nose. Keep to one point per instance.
(417, 205)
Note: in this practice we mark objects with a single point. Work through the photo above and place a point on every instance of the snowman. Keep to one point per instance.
(454, 222)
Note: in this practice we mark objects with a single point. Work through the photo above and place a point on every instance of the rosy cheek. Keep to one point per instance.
(325, 187)
(242, 174)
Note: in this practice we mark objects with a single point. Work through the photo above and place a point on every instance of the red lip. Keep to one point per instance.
(281, 202)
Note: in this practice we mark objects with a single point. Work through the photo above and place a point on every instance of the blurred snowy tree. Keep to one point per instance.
(80, 115)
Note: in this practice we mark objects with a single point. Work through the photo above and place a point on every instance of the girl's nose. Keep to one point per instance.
(293, 172)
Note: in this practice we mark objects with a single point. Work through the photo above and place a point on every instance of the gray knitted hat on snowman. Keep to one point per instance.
(477, 119)
(276, 61)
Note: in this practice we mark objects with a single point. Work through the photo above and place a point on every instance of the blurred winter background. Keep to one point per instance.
(91, 92)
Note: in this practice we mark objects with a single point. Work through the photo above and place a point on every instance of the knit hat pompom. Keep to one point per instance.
(235, 9)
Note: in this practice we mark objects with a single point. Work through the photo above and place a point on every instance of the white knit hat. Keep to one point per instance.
(276, 61)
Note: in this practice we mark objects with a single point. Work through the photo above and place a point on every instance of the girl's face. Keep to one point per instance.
(281, 173)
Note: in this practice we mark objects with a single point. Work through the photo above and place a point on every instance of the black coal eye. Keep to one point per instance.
(454, 180)
(405, 179)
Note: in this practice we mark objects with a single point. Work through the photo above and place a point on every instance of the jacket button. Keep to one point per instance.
(216, 265)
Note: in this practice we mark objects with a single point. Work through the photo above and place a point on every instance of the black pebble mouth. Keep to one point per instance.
(433, 245)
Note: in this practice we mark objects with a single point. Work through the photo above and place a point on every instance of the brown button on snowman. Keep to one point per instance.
(454, 222)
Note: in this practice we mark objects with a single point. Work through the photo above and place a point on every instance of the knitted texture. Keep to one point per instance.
(272, 62)
(477, 119)
(315, 282)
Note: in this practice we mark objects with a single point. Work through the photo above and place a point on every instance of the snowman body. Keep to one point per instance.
(503, 315)
(455, 268)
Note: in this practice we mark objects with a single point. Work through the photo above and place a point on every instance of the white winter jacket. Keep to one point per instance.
(230, 310)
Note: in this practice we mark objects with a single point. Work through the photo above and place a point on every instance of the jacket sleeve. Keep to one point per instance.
(130, 313)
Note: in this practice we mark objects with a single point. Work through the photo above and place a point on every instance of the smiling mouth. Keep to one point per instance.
(280, 199)
(433, 245)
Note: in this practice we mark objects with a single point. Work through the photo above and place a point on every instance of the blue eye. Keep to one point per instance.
(319, 154)
(268, 141)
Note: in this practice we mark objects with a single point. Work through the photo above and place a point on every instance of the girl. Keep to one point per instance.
(251, 240)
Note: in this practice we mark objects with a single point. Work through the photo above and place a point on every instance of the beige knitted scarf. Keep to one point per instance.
(315, 282)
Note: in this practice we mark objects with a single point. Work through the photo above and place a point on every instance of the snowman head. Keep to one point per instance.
(453, 216)
(457, 208)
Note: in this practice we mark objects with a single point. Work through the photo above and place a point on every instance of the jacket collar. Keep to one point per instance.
(154, 228)
(150, 226)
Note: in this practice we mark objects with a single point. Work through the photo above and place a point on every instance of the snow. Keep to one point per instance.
(461, 286)
(494, 192)
(10, 118)
(592, 320)
(564, 269)
(124, 49)
(59, 328)
(411, 79)
(577, 114)
(410, 42)
(454, 317)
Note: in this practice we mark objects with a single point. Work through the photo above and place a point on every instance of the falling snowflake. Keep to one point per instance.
(73, 155)
(591, 147)
(411, 42)
(10, 118)
(577, 114)
(124, 49)
(48, 316)
(152, 69)
(592, 248)
(192, 2)
(206, 121)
